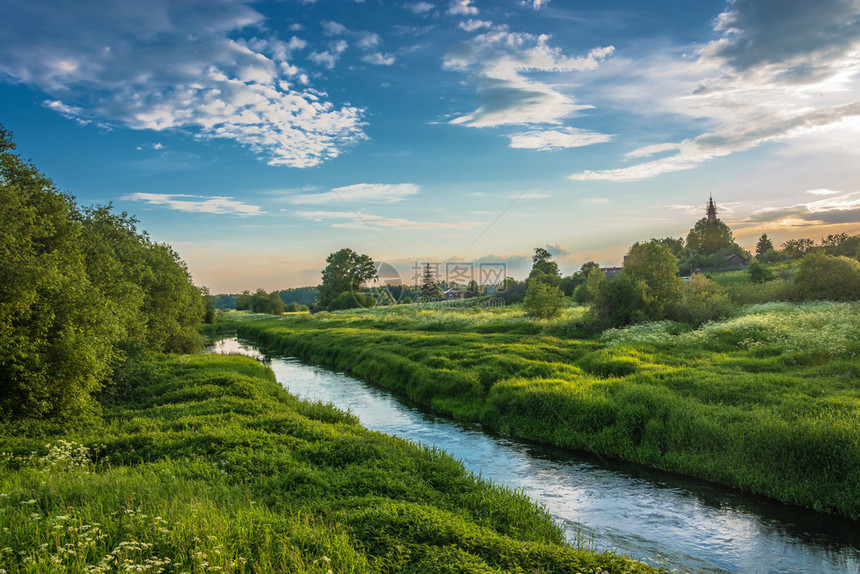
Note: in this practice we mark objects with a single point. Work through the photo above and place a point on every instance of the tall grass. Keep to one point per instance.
(206, 464)
(767, 401)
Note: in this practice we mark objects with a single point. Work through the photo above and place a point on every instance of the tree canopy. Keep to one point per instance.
(345, 272)
(79, 288)
(709, 236)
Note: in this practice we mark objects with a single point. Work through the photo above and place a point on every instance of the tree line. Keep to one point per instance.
(83, 291)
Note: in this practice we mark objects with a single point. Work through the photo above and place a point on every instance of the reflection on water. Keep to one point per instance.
(688, 524)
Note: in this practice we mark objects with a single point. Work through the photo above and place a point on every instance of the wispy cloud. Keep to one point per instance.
(359, 193)
(212, 69)
(499, 61)
(471, 24)
(419, 7)
(834, 209)
(461, 8)
(361, 221)
(378, 59)
(196, 203)
(780, 72)
(562, 138)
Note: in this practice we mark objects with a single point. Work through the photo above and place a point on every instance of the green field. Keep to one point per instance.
(767, 400)
(205, 464)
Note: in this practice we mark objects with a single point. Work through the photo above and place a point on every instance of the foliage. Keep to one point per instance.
(570, 284)
(345, 272)
(543, 300)
(709, 236)
(81, 288)
(56, 331)
(797, 248)
(759, 273)
(842, 244)
(701, 301)
(823, 276)
(261, 302)
(544, 269)
(587, 292)
(430, 290)
(208, 465)
(763, 246)
(761, 400)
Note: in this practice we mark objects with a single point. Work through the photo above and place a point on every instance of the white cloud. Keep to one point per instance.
(360, 193)
(333, 28)
(499, 61)
(378, 58)
(562, 138)
(329, 57)
(211, 69)
(471, 24)
(419, 7)
(197, 203)
(363, 220)
(461, 8)
(833, 210)
(781, 72)
(368, 40)
(536, 4)
(823, 192)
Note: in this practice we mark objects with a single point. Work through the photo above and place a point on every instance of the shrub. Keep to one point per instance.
(824, 276)
(543, 300)
(701, 301)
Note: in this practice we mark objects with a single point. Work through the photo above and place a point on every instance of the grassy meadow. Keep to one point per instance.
(205, 464)
(767, 400)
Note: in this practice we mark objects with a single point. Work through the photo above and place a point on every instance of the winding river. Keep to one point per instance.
(660, 518)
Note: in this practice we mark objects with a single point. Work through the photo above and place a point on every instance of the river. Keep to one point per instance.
(657, 517)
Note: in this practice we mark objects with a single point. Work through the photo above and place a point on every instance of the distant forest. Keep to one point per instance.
(300, 295)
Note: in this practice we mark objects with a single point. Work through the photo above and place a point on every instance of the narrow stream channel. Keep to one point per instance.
(657, 517)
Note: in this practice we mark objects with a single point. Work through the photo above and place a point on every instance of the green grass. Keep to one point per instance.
(767, 401)
(206, 464)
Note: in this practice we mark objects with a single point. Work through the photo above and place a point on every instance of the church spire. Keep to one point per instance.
(712, 210)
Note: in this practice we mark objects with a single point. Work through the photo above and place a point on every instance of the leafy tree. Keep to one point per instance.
(209, 306)
(619, 301)
(56, 338)
(81, 290)
(841, 244)
(656, 269)
(345, 272)
(823, 276)
(473, 289)
(543, 301)
(797, 248)
(570, 284)
(763, 246)
(709, 236)
(430, 290)
(293, 307)
(544, 269)
(587, 291)
(759, 273)
(244, 301)
(675, 245)
(701, 301)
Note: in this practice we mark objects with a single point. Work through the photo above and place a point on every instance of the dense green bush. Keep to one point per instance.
(78, 288)
(824, 276)
(543, 300)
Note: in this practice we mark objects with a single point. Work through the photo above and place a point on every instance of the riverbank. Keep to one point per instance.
(205, 464)
(767, 401)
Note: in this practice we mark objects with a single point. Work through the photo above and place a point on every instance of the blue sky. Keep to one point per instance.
(258, 137)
